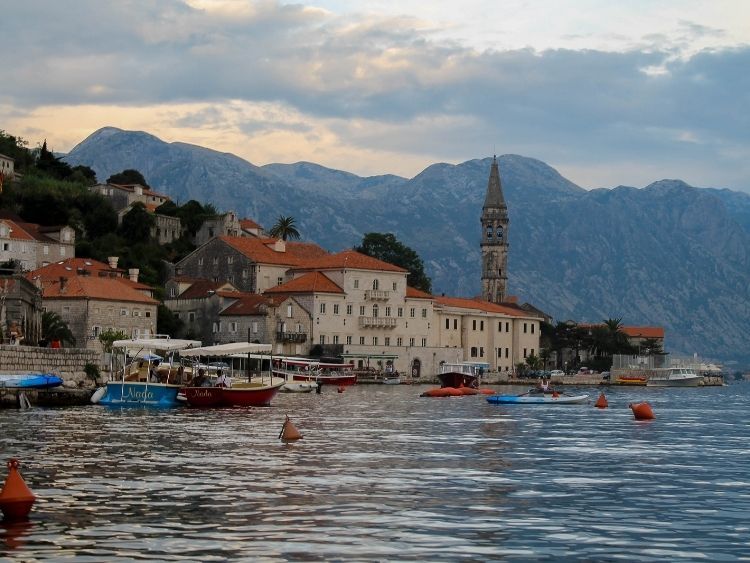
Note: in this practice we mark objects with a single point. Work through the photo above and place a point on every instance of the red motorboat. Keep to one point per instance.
(459, 375)
(314, 371)
(253, 394)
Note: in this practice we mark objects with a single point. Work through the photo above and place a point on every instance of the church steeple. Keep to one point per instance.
(494, 243)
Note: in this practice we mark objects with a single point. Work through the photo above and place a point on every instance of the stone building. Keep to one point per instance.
(125, 195)
(20, 306)
(32, 245)
(249, 264)
(7, 170)
(494, 239)
(197, 304)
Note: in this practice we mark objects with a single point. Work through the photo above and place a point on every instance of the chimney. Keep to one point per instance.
(112, 261)
(279, 245)
(133, 274)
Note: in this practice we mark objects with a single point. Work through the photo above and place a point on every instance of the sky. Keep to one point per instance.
(608, 92)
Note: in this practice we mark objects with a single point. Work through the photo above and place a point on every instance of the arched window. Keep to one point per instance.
(375, 284)
(500, 233)
(375, 311)
(489, 231)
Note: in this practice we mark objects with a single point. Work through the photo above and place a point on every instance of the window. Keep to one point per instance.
(356, 284)
(123, 312)
(481, 352)
(374, 340)
(424, 342)
(481, 325)
(532, 328)
(411, 342)
(173, 291)
(507, 327)
(216, 260)
(148, 314)
(348, 339)
(191, 316)
(362, 340)
(387, 340)
(230, 259)
(66, 309)
(255, 327)
(399, 341)
(395, 285)
(200, 261)
(387, 311)
(473, 351)
(299, 328)
(62, 251)
(217, 327)
(489, 232)
(507, 352)
(6, 246)
(361, 310)
(322, 339)
(349, 309)
(335, 338)
(524, 352)
(335, 310)
(447, 324)
(524, 329)
(233, 327)
(455, 324)
(412, 312)
(499, 352)
(375, 284)
(424, 313)
(500, 326)
(322, 308)
(45, 250)
(95, 330)
(400, 312)
(289, 311)
(136, 313)
(279, 281)
(474, 324)
(244, 273)
(375, 311)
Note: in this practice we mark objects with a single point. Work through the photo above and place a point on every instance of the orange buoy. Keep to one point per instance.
(453, 392)
(468, 391)
(642, 411)
(437, 392)
(601, 402)
(16, 499)
(289, 432)
(486, 391)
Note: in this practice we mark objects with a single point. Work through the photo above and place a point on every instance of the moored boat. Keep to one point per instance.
(138, 382)
(675, 377)
(538, 399)
(30, 381)
(459, 375)
(311, 371)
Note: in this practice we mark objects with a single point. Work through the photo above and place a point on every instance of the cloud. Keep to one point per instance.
(387, 92)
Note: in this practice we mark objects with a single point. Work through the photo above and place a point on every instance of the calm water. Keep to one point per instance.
(382, 474)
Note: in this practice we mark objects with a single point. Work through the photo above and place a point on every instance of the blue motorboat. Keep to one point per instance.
(537, 399)
(30, 381)
(139, 382)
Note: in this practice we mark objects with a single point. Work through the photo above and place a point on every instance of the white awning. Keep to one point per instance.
(228, 349)
(165, 344)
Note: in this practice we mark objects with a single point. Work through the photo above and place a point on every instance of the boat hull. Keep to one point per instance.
(328, 379)
(298, 387)
(457, 379)
(30, 381)
(241, 395)
(139, 393)
(537, 399)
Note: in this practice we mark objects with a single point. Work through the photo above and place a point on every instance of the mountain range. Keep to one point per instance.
(669, 254)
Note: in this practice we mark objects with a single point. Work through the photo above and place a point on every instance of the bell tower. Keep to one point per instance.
(494, 243)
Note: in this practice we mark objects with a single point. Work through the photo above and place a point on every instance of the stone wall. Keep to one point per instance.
(67, 363)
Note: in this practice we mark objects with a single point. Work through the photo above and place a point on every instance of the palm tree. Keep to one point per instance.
(54, 328)
(285, 229)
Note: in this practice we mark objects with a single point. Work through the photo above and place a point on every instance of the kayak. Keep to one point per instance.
(539, 399)
(30, 381)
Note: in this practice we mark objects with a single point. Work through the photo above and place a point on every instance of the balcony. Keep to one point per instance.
(297, 337)
(377, 322)
(377, 295)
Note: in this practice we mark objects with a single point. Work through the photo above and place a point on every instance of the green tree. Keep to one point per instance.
(129, 176)
(108, 337)
(52, 165)
(385, 247)
(285, 228)
(55, 328)
(167, 322)
(137, 223)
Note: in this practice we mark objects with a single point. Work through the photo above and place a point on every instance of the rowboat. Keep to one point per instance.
(257, 391)
(30, 381)
(537, 399)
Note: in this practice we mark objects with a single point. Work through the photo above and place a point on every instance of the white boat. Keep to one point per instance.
(538, 399)
(311, 372)
(675, 377)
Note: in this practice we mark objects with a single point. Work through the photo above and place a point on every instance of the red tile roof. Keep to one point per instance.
(414, 293)
(260, 250)
(246, 304)
(249, 224)
(70, 267)
(146, 191)
(83, 287)
(644, 331)
(350, 260)
(480, 305)
(314, 282)
(201, 289)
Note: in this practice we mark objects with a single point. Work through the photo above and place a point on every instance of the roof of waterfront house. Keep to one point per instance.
(644, 331)
(75, 267)
(202, 288)
(83, 287)
(313, 282)
(414, 293)
(246, 304)
(249, 224)
(132, 187)
(275, 251)
(485, 306)
(21, 230)
(349, 260)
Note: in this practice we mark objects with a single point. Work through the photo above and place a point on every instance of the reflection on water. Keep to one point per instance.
(383, 474)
